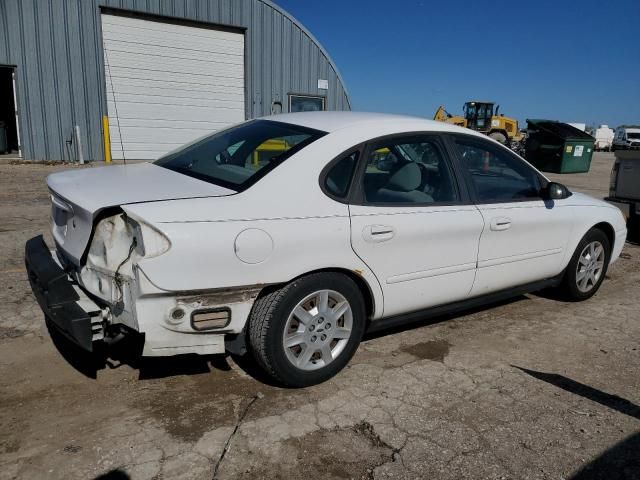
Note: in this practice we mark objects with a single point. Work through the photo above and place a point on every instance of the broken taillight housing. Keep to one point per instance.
(119, 239)
(150, 242)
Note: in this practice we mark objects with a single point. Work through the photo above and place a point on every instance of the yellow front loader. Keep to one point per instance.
(482, 117)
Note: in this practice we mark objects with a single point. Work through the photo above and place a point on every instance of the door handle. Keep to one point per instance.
(500, 223)
(378, 233)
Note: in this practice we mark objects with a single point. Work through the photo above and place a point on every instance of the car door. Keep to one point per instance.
(524, 237)
(413, 225)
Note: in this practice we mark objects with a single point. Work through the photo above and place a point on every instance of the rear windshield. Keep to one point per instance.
(238, 157)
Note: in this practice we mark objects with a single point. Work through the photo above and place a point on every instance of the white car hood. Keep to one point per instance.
(79, 195)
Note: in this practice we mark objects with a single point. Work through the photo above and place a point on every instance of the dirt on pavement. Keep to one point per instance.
(530, 388)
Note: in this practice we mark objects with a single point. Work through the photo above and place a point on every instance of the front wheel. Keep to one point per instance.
(588, 266)
(305, 332)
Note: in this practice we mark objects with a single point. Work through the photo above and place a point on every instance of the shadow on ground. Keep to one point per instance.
(622, 461)
(613, 402)
(128, 350)
(113, 475)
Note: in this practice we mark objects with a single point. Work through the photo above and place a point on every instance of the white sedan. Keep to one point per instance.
(291, 236)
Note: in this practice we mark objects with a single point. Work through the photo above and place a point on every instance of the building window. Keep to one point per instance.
(306, 103)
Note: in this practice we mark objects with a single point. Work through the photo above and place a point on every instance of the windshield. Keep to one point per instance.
(634, 135)
(238, 157)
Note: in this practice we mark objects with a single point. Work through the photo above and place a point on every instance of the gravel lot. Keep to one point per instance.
(531, 388)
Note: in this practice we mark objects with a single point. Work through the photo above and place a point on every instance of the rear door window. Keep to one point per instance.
(409, 170)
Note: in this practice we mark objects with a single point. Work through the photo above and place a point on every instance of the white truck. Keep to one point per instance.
(604, 138)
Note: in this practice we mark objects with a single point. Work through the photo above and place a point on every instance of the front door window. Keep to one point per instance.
(496, 174)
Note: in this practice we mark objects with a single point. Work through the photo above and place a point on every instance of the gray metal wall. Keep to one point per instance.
(56, 46)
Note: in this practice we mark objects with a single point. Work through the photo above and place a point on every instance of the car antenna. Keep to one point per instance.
(115, 104)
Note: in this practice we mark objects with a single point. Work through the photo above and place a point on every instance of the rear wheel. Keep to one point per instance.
(499, 137)
(588, 266)
(305, 332)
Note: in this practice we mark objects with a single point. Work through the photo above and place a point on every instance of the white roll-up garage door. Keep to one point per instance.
(168, 84)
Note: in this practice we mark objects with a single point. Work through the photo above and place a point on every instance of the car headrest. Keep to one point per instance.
(405, 179)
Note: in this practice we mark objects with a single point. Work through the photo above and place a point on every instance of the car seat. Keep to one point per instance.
(402, 186)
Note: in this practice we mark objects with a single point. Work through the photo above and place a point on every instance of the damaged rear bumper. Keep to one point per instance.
(169, 321)
(70, 310)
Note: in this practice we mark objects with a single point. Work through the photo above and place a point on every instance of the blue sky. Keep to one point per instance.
(569, 60)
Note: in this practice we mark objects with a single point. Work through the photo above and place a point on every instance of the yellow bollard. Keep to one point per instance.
(107, 140)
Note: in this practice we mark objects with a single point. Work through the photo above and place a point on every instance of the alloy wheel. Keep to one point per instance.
(590, 266)
(317, 330)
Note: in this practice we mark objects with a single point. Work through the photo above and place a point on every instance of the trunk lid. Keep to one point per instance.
(78, 196)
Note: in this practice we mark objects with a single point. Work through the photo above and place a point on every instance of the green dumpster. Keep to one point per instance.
(558, 147)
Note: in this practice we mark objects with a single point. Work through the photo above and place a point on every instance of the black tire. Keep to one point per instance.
(268, 320)
(569, 286)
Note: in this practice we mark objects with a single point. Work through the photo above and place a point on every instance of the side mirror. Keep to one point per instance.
(555, 191)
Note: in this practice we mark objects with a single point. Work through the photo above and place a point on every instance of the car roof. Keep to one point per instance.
(332, 121)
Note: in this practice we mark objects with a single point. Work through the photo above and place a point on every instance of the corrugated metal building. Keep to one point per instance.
(162, 71)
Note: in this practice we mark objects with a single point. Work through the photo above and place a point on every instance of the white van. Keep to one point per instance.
(626, 138)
